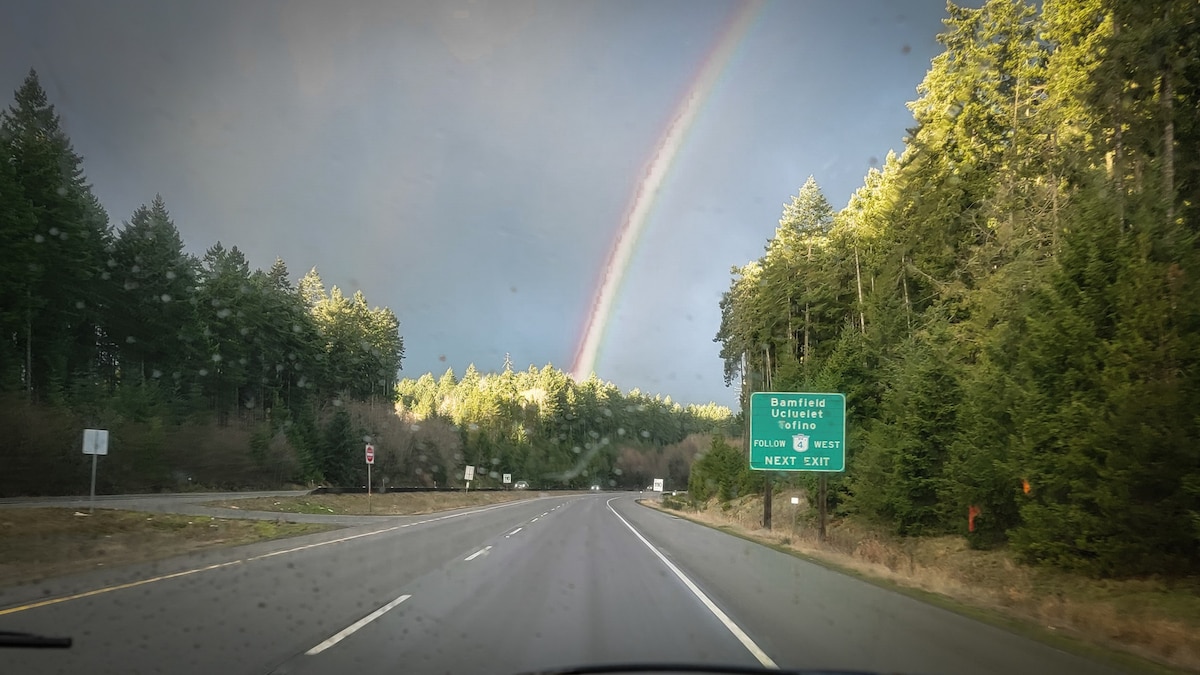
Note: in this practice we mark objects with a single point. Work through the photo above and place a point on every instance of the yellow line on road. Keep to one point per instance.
(118, 587)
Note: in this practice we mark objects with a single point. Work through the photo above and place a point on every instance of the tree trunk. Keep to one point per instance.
(745, 408)
(1054, 203)
(767, 379)
(805, 361)
(29, 345)
(1117, 141)
(862, 317)
(791, 330)
(1168, 169)
(807, 322)
(1012, 170)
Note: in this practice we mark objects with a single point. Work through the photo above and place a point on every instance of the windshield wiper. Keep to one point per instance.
(686, 668)
(13, 639)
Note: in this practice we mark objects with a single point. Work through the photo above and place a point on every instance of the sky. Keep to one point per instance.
(471, 165)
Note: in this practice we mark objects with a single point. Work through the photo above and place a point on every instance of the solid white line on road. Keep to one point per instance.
(464, 513)
(325, 543)
(476, 554)
(738, 633)
(512, 533)
(348, 630)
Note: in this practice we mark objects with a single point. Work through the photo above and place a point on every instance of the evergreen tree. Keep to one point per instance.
(62, 237)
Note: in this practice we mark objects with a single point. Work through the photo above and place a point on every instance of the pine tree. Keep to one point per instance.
(62, 292)
(151, 270)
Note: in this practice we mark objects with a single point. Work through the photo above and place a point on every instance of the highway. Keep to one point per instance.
(554, 581)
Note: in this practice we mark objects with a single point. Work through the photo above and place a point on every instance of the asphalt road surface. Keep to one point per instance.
(555, 581)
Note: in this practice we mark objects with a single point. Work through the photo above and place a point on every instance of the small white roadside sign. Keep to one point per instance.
(95, 443)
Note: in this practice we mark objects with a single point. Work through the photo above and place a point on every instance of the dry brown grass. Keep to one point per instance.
(387, 504)
(1155, 619)
(43, 543)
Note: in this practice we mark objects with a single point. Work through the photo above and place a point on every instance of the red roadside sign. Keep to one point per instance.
(370, 454)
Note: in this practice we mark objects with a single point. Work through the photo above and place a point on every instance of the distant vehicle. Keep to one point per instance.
(595, 488)
(521, 485)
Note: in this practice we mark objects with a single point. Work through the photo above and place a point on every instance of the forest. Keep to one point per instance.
(1010, 304)
(210, 374)
(542, 426)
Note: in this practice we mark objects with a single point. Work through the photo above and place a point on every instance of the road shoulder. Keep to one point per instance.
(1114, 658)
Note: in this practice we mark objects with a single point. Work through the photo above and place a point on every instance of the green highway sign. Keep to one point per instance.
(794, 431)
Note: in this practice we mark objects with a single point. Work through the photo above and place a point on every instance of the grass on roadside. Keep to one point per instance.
(1154, 620)
(41, 543)
(387, 504)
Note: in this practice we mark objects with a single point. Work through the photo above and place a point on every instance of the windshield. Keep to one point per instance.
(507, 336)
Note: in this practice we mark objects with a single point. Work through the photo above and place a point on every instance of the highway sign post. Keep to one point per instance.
(469, 475)
(95, 443)
(370, 461)
(507, 478)
(658, 485)
(798, 431)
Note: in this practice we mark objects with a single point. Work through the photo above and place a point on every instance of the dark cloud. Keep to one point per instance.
(469, 163)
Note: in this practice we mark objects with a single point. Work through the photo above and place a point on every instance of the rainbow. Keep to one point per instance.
(656, 171)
